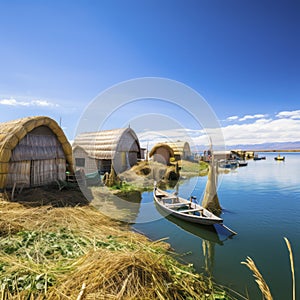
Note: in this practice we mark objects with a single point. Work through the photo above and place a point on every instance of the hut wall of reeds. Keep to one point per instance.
(83, 161)
(33, 152)
(97, 151)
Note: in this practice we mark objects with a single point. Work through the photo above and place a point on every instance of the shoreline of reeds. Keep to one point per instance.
(65, 252)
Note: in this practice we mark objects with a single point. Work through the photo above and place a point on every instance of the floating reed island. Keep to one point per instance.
(75, 252)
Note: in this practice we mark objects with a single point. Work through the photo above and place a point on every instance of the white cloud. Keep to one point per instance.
(284, 128)
(232, 118)
(250, 117)
(31, 103)
(12, 102)
(245, 117)
(289, 114)
(263, 131)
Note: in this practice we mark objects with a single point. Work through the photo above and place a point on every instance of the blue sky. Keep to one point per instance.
(243, 57)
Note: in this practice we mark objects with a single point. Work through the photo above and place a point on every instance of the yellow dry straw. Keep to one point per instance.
(138, 270)
(126, 275)
(258, 278)
(292, 266)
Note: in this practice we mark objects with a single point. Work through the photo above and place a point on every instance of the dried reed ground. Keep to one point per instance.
(109, 260)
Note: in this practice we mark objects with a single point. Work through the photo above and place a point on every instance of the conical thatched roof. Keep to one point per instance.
(104, 144)
(14, 131)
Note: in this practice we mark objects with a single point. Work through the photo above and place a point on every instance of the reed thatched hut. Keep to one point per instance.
(181, 150)
(162, 153)
(98, 151)
(33, 152)
(165, 152)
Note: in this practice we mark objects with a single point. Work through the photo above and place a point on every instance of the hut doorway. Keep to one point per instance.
(46, 171)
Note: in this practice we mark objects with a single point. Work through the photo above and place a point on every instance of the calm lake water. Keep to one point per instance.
(261, 203)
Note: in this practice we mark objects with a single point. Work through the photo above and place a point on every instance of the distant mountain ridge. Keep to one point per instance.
(267, 146)
(255, 147)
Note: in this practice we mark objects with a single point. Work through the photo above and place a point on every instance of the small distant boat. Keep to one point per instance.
(184, 209)
(228, 164)
(242, 163)
(279, 157)
(233, 163)
(256, 157)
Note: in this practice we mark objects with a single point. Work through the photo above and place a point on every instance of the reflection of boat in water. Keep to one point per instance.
(208, 233)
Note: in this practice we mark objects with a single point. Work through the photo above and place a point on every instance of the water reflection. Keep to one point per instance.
(208, 249)
(210, 237)
(208, 233)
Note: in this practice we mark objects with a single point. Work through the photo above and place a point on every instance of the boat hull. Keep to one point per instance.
(189, 215)
(280, 158)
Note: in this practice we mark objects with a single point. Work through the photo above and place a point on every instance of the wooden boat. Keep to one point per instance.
(242, 163)
(227, 164)
(256, 157)
(208, 233)
(279, 157)
(189, 210)
(184, 209)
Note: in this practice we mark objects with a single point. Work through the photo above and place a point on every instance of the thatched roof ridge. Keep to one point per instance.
(12, 132)
(104, 144)
(161, 145)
